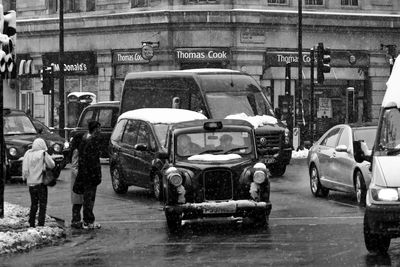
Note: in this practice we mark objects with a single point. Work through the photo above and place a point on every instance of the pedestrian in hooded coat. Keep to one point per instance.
(89, 172)
(76, 199)
(33, 164)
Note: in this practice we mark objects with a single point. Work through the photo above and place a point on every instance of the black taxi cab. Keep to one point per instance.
(19, 133)
(213, 171)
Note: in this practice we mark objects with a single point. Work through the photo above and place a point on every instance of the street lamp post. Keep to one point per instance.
(61, 80)
(300, 69)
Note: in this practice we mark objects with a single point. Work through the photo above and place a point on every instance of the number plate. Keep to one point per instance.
(217, 208)
(269, 160)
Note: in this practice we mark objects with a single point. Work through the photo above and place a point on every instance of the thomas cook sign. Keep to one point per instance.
(202, 54)
(74, 63)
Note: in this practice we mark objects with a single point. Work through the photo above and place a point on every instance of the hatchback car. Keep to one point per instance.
(136, 142)
(48, 134)
(19, 133)
(104, 112)
(332, 165)
(213, 172)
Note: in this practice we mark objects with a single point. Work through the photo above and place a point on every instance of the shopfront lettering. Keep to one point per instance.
(292, 58)
(216, 54)
(129, 57)
(74, 63)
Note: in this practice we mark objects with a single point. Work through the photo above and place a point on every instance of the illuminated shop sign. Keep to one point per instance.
(202, 54)
(128, 57)
(74, 63)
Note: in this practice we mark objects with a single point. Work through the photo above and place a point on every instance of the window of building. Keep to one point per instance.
(191, 2)
(314, 2)
(139, 3)
(277, 2)
(71, 6)
(349, 2)
(90, 5)
(53, 6)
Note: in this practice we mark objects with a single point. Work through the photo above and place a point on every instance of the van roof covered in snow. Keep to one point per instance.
(392, 95)
(162, 115)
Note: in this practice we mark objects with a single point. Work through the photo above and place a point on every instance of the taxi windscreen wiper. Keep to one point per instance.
(236, 148)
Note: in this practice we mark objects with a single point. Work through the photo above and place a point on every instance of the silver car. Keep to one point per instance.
(332, 165)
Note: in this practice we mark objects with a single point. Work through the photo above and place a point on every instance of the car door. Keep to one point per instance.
(326, 152)
(145, 157)
(104, 117)
(127, 152)
(342, 162)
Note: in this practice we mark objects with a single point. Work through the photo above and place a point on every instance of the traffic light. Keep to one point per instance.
(47, 77)
(8, 37)
(323, 60)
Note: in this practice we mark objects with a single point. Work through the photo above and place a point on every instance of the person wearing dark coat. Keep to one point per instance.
(89, 172)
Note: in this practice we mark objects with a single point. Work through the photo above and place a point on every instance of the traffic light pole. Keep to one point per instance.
(2, 156)
(61, 112)
(300, 69)
(312, 93)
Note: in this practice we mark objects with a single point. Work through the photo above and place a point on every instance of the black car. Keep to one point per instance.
(47, 134)
(19, 133)
(137, 140)
(212, 170)
(104, 112)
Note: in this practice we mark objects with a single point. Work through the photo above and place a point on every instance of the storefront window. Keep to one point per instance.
(277, 2)
(349, 2)
(314, 2)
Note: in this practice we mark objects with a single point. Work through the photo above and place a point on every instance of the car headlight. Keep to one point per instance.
(66, 145)
(385, 194)
(13, 151)
(287, 136)
(175, 179)
(57, 148)
(259, 177)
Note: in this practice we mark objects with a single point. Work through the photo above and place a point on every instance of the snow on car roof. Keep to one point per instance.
(256, 121)
(162, 115)
(392, 95)
(212, 157)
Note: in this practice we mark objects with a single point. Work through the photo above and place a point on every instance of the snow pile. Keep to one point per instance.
(256, 121)
(301, 154)
(15, 234)
(212, 157)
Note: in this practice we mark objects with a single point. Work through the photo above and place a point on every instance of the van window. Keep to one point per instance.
(118, 130)
(155, 93)
(389, 138)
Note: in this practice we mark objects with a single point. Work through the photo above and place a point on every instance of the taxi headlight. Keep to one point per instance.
(66, 145)
(259, 177)
(57, 148)
(175, 179)
(385, 194)
(13, 151)
(287, 136)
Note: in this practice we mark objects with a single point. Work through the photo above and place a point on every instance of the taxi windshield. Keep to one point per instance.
(389, 139)
(189, 144)
(18, 125)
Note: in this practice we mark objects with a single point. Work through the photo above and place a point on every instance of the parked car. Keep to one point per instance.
(19, 133)
(213, 170)
(48, 134)
(104, 112)
(332, 165)
(137, 140)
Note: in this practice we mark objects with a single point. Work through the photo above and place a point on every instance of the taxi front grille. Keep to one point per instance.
(270, 140)
(218, 184)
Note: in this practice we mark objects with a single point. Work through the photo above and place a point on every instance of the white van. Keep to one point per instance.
(382, 214)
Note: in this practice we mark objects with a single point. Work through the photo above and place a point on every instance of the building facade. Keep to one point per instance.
(103, 41)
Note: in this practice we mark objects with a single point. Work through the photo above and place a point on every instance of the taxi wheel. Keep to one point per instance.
(360, 188)
(174, 221)
(117, 181)
(156, 186)
(315, 185)
(375, 243)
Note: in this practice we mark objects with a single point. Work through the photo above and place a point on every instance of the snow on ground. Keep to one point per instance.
(301, 154)
(16, 235)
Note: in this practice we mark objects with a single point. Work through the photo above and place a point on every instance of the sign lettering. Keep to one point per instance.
(199, 54)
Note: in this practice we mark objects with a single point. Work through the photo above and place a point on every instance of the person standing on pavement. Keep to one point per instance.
(76, 199)
(33, 164)
(90, 172)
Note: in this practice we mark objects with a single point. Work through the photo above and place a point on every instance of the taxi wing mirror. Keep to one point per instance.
(341, 148)
(140, 147)
(163, 155)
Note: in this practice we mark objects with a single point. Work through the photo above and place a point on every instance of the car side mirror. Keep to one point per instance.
(163, 155)
(278, 113)
(140, 147)
(341, 148)
(359, 155)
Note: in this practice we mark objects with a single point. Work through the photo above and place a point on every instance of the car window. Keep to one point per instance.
(331, 138)
(389, 138)
(105, 117)
(366, 134)
(131, 133)
(161, 131)
(40, 126)
(145, 136)
(87, 116)
(118, 130)
(18, 125)
(344, 138)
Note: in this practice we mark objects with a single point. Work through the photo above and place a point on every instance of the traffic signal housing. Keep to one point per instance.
(8, 38)
(47, 80)
(323, 60)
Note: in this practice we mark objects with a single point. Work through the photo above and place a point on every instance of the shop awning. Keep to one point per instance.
(278, 73)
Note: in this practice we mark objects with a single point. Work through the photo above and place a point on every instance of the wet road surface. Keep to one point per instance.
(303, 230)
